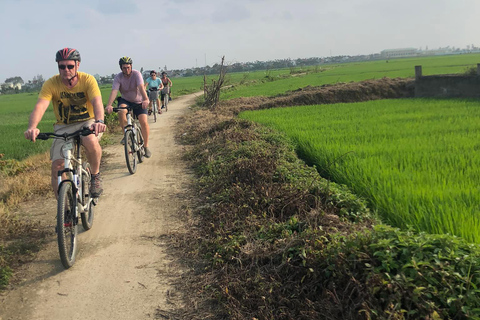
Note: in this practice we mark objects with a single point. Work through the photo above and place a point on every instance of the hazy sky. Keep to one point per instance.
(189, 33)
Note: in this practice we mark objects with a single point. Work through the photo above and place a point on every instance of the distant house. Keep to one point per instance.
(11, 85)
(399, 53)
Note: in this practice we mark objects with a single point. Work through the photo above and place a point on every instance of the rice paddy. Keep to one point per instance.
(415, 160)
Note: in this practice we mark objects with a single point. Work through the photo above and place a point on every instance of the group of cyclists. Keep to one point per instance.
(155, 85)
(77, 103)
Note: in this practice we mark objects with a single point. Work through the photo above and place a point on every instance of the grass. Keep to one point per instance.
(15, 110)
(413, 159)
(280, 83)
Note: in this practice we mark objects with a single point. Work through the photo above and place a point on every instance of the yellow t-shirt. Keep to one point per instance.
(71, 105)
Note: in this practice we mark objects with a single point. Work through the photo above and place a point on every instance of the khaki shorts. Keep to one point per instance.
(56, 149)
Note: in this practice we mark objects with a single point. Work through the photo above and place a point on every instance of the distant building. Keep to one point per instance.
(400, 53)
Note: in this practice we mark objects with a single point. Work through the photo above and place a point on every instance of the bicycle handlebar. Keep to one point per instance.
(80, 132)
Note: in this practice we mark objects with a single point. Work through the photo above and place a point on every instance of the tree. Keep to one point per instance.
(14, 80)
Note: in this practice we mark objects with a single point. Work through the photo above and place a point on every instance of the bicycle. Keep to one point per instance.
(73, 194)
(134, 145)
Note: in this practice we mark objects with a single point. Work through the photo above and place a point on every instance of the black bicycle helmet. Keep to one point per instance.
(125, 60)
(67, 54)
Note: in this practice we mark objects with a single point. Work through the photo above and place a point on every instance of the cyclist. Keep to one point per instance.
(167, 84)
(130, 84)
(154, 84)
(77, 103)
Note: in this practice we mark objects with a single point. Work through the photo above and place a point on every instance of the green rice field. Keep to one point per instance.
(415, 160)
(346, 72)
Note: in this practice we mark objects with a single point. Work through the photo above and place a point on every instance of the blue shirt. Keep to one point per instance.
(153, 83)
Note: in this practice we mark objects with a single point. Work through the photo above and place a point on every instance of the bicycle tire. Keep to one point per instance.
(87, 216)
(166, 101)
(141, 150)
(155, 110)
(67, 225)
(130, 155)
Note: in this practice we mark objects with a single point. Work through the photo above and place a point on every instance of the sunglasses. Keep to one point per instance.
(63, 67)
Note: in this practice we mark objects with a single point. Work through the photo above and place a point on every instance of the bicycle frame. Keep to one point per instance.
(76, 177)
(71, 157)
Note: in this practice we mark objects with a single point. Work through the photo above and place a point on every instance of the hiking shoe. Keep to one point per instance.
(169, 98)
(96, 187)
(163, 107)
(148, 153)
(122, 141)
(149, 112)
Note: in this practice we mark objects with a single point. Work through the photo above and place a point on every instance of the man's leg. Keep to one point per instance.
(122, 119)
(93, 150)
(57, 165)
(142, 118)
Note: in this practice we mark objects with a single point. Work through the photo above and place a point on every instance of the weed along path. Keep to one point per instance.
(124, 269)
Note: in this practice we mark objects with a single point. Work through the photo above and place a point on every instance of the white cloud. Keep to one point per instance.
(186, 33)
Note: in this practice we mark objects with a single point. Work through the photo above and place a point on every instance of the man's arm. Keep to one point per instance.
(98, 127)
(145, 100)
(111, 98)
(35, 117)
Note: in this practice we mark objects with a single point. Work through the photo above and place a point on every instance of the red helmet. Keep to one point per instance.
(68, 54)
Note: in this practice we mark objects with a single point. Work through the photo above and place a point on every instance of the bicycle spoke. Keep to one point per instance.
(66, 225)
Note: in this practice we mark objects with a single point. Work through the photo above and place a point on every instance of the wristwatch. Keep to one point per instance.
(99, 121)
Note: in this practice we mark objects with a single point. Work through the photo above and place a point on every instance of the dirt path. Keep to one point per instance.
(123, 270)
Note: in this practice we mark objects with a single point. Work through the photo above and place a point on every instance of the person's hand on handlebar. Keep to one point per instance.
(109, 109)
(98, 127)
(31, 134)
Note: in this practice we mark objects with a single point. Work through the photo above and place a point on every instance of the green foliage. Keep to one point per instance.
(5, 274)
(410, 275)
(413, 159)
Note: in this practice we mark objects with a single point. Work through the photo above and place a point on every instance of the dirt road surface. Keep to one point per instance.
(123, 268)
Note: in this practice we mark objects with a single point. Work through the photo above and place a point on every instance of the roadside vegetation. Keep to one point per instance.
(279, 241)
(270, 237)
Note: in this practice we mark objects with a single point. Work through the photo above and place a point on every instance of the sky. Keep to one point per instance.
(183, 34)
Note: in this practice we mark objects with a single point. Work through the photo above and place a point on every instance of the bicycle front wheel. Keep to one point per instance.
(140, 146)
(166, 101)
(155, 110)
(67, 225)
(130, 153)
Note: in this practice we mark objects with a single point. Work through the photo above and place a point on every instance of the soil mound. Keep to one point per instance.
(384, 88)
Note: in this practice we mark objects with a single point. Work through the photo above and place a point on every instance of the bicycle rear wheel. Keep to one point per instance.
(87, 217)
(67, 225)
(130, 154)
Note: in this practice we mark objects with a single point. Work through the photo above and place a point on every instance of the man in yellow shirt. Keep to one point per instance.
(77, 103)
